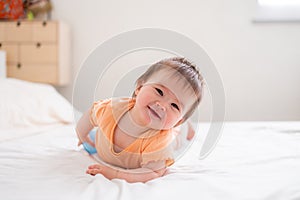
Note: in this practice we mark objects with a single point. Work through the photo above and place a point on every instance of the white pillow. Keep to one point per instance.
(25, 104)
(2, 64)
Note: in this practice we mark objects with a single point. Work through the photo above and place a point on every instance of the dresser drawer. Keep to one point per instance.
(38, 53)
(17, 31)
(44, 32)
(11, 49)
(35, 73)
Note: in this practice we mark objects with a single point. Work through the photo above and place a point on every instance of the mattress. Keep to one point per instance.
(252, 160)
(40, 159)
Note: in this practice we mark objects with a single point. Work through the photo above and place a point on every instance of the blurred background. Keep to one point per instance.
(256, 55)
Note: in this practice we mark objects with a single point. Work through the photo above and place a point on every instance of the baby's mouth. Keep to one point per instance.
(154, 112)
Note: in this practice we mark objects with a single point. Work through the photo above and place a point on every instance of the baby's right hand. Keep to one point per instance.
(84, 138)
(83, 129)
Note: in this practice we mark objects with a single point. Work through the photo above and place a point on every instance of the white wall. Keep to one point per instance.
(258, 62)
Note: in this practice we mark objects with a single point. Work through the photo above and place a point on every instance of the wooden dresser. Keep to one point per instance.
(37, 51)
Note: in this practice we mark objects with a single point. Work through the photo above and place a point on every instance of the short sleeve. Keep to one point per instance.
(160, 148)
(97, 111)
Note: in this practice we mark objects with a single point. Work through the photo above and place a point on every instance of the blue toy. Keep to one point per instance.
(90, 149)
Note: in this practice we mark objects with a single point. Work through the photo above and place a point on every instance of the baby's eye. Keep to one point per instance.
(159, 91)
(174, 105)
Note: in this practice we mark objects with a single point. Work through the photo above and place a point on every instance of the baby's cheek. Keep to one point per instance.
(171, 122)
(143, 99)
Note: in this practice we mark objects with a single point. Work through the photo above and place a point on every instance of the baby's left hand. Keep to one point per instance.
(95, 169)
(106, 171)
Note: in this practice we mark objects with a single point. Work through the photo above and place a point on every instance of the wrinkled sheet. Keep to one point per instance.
(252, 160)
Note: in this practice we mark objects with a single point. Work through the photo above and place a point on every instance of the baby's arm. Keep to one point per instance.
(83, 127)
(148, 172)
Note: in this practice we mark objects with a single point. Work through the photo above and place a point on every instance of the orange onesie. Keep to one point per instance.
(153, 145)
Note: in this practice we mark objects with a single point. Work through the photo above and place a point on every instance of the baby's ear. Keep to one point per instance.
(139, 85)
(136, 91)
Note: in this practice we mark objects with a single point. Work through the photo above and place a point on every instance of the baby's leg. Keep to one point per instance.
(183, 135)
(191, 132)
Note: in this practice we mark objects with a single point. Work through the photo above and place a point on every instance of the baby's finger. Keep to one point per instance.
(93, 171)
(87, 140)
(95, 166)
(90, 142)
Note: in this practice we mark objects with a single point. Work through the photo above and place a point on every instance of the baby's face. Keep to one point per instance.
(163, 100)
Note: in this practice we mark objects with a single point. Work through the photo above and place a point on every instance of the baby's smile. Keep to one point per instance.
(156, 112)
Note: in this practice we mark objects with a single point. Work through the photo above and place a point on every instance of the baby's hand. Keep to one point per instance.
(84, 126)
(106, 171)
(94, 169)
(84, 138)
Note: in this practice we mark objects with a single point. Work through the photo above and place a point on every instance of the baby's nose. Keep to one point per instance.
(160, 106)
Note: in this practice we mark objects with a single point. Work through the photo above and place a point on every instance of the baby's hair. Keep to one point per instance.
(188, 70)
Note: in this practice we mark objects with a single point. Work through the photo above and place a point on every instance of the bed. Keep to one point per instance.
(39, 157)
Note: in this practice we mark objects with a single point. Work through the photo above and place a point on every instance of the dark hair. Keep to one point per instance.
(188, 70)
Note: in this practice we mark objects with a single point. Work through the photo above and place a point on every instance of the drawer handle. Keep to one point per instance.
(44, 23)
(19, 65)
(0, 45)
(38, 45)
(18, 23)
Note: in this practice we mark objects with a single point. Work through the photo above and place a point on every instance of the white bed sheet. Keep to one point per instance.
(253, 160)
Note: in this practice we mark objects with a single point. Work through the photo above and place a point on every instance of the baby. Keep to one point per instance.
(135, 135)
